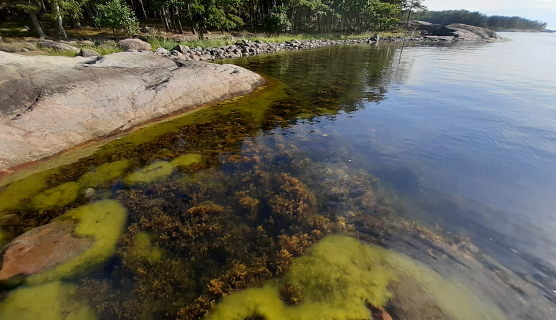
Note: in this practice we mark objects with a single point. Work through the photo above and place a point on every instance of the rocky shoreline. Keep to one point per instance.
(427, 33)
(51, 104)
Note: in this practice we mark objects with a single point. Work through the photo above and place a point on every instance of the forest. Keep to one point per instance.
(198, 16)
(480, 20)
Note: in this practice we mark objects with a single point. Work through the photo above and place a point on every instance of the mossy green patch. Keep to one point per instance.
(150, 173)
(143, 249)
(104, 221)
(56, 197)
(23, 189)
(51, 301)
(338, 277)
(186, 160)
(103, 173)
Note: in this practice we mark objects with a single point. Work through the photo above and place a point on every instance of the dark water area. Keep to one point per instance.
(416, 178)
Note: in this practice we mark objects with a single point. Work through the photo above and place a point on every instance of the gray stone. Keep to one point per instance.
(93, 97)
(162, 52)
(181, 48)
(88, 53)
(134, 44)
(58, 46)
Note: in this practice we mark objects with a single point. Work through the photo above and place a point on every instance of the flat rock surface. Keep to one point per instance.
(42, 248)
(49, 104)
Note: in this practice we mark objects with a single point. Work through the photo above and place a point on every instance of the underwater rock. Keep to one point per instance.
(338, 278)
(186, 160)
(150, 173)
(22, 189)
(103, 173)
(102, 221)
(56, 197)
(51, 301)
(42, 248)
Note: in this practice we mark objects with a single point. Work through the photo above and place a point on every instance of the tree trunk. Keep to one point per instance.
(143, 7)
(60, 23)
(409, 12)
(179, 24)
(36, 24)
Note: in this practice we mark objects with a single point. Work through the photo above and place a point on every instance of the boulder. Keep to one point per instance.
(50, 103)
(162, 52)
(88, 53)
(181, 48)
(466, 32)
(134, 44)
(458, 31)
(42, 248)
(58, 46)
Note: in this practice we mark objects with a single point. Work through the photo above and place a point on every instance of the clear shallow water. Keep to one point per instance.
(462, 139)
(466, 134)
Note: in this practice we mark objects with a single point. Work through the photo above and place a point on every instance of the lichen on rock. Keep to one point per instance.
(50, 301)
(104, 221)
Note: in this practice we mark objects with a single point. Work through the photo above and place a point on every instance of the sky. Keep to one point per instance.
(542, 10)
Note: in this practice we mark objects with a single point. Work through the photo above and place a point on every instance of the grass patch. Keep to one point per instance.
(67, 53)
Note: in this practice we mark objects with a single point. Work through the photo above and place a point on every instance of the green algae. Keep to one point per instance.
(104, 173)
(104, 221)
(150, 173)
(338, 278)
(56, 197)
(143, 249)
(23, 189)
(186, 160)
(50, 301)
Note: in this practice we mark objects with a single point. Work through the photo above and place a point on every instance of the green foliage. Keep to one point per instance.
(383, 16)
(480, 20)
(277, 20)
(117, 14)
(217, 14)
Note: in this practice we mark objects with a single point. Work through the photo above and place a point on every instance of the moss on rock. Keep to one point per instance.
(104, 221)
(103, 173)
(150, 173)
(186, 160)
(338, 277)
(51, 301)
(143, 249)
(23, 189)
(56, 197)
